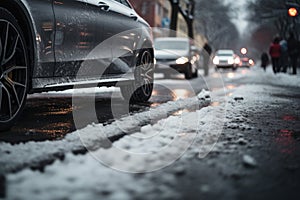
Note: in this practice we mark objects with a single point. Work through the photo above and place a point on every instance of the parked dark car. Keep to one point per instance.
(247, 62)
(43, 45)
(178, 54)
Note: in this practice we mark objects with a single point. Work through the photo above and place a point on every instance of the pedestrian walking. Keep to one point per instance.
(264, 60)
(206, 58)
(274, 52)
(293, 51)
(284, 56)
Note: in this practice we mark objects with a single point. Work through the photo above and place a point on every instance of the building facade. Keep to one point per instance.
(158, 13)
(155, 12)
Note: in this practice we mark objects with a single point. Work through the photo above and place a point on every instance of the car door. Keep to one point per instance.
(124, 33)
(78, 32)
(42, 14)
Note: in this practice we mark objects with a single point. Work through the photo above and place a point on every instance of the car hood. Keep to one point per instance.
(170, 54)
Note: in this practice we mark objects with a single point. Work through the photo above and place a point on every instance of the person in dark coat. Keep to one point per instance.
(264, 60)
(284, 55)
(206, 58)
(275, 51)
(293, 51)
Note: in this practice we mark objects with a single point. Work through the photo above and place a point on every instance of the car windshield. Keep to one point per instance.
(171, 45)
(225, 54)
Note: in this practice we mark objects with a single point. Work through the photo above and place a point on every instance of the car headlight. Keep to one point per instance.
(230, 61)
(182, 60)
(216, 60)
(251, 62)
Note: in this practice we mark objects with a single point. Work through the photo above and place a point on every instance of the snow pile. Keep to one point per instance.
(82, 177)
(153, 147)
(15, 157)
(157, 146)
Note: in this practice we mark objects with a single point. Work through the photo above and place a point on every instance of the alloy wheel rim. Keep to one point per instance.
(13, 69)
(147, 73)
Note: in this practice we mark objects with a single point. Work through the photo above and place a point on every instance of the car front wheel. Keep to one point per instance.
(141, 89)
(13, 70)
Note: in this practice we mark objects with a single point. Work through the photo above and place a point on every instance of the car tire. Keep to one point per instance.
(13, 70)
(141, 89)
(188, 72)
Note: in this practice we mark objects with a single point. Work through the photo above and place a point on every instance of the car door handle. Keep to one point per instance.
(133, 16)
(103, 6)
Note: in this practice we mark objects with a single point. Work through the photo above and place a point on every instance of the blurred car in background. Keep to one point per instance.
(178, 54)
(247, 62)
(226, 58)
(237, 61)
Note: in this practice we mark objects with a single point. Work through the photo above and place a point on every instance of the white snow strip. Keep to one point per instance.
(84, 176)
(16, 157)
(96, 91)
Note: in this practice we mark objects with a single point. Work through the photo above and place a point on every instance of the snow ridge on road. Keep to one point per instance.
(35, 154)
(81, 176)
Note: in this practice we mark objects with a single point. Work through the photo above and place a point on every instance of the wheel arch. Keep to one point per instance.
(149, 45)
(21, 14)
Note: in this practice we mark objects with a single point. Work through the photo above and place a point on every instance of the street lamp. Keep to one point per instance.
(244, 51)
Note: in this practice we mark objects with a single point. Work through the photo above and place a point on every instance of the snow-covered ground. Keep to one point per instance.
(258, 76)
(175, 133)
(94, 136)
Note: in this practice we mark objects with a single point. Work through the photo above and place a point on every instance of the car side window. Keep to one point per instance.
(124, 2)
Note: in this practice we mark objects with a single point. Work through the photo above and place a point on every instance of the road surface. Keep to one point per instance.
(245, 144)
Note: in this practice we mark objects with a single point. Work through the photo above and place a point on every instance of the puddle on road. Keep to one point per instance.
(52, 119)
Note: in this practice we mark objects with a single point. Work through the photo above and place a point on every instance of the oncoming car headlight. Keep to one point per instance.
(182, 60)
(251, 62)
(216, 60)
(230, 61)
(237, 60)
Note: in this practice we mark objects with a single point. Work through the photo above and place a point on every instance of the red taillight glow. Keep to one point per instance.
(293, 12)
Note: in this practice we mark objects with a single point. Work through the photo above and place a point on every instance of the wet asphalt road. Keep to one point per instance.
(273, 141)
(49, 116)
